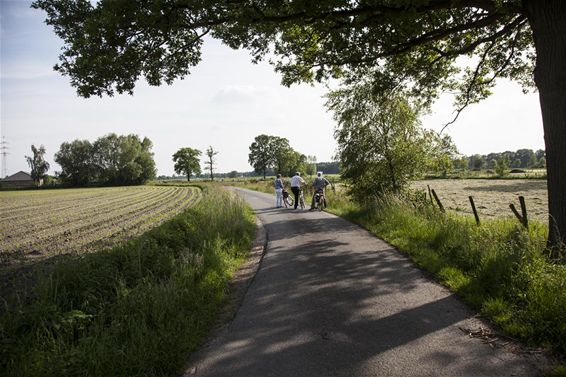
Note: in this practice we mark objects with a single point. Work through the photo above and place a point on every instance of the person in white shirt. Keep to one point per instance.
(296, 183)
(278, 191)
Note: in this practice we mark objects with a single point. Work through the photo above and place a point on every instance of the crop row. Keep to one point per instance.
(89, 221)
(84, 226)
(65, 219)
(87, 199)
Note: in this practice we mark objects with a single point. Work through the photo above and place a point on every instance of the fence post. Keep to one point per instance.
(474, 209)
(429, 194)
(438, 201)
(524, 211)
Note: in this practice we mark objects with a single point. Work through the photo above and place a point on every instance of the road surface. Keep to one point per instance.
(330, 299)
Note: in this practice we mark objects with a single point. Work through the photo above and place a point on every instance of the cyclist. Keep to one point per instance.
(296, 183)
(319, 185)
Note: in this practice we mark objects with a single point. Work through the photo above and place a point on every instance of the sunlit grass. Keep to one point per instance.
(138, 309)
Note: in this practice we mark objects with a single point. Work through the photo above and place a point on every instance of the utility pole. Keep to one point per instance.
(4, 153)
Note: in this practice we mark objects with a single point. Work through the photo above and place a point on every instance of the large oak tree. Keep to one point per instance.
(405, 43)
(187, 162)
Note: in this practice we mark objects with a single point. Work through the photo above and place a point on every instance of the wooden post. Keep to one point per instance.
(429, 194)
(524, 212)
(438, 201)
(474, 209)
(522, 218)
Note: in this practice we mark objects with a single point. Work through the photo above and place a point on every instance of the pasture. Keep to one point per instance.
(44, 223)
(491, 196)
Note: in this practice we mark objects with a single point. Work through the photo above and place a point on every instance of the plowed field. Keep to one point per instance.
(45, 223)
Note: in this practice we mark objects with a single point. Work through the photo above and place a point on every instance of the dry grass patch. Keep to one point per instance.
(492, 196)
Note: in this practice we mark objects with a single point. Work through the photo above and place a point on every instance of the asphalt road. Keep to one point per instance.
(330, 299)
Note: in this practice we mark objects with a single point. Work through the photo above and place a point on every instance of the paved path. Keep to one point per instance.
(330, 300)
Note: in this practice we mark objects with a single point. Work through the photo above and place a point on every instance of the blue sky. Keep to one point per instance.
(225, 102)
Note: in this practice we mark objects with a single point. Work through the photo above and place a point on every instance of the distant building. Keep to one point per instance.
(20, 179)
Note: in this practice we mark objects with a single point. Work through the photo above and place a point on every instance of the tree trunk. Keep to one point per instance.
(548, 22)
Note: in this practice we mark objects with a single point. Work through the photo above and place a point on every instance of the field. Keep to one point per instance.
(491, 196)
(40, 224)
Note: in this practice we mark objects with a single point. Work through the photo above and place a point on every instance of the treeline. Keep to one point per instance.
(522, 158)
(110, 160)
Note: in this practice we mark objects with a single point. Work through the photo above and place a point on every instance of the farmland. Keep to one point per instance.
(40, 224)
(492, 196)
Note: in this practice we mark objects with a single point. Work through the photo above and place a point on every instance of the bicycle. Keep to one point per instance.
(287, 199)
(320, 200)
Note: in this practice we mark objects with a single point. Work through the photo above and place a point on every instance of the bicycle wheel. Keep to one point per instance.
(302, 201)
(288, 201)
(321, 203)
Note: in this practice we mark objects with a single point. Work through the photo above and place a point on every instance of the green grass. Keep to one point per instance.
(136, 310)
(499, 268)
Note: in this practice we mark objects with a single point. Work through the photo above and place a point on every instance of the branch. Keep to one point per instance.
(488, 82)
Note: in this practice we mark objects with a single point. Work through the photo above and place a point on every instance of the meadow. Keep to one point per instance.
(38, 224)
(491, 196)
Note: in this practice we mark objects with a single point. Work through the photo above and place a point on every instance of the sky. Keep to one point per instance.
(224, 103)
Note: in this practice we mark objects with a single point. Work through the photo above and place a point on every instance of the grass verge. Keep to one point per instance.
(136, 310)
(499, 268)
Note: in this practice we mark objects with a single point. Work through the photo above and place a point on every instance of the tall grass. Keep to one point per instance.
(499, 268)
(136, 310)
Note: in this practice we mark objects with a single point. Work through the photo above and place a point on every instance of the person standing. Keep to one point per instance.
(278, 191)
(319, 185)
(296, 183)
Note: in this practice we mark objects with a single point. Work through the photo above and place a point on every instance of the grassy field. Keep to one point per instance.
(40, 224)
(492, 197)
(137, 309)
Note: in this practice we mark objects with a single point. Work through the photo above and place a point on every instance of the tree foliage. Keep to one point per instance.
(275, 152)
(261, 153)
(502, 166)
(110, 160)
(381, 145)
(76, 159)
(37, 163)
(187, 162)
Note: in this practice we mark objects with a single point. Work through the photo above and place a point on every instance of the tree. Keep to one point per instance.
(310, 166)
(77, 163)
(233, 174)
(211, 161)
(381, 145)
(37, 164)
(502, 166)
(261, 153)
(187, 162)
(282, 154)
(477, 162)
(123, 160)
(412, 44)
